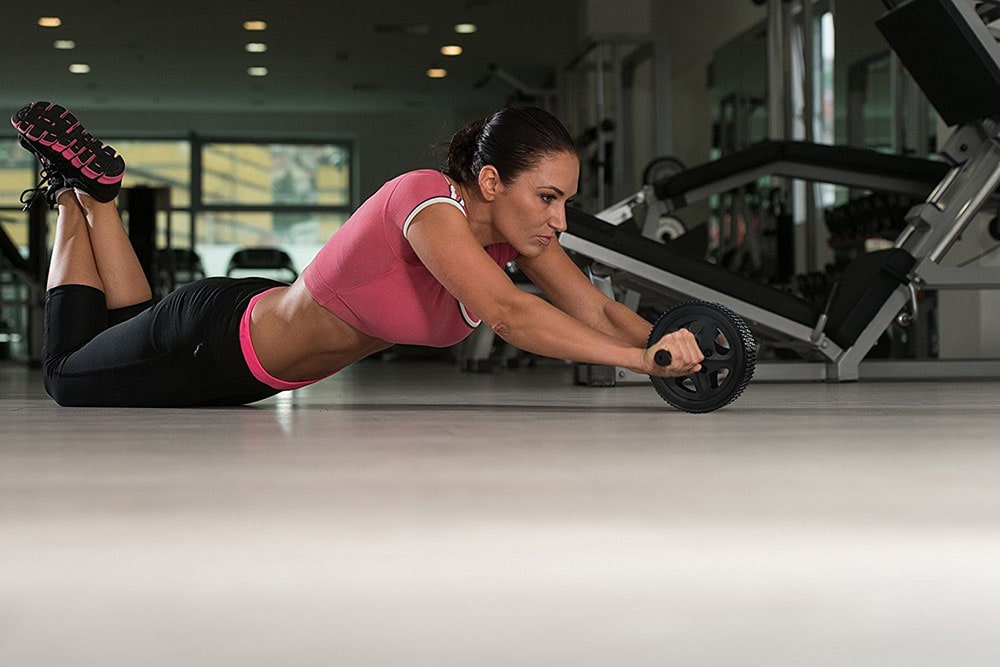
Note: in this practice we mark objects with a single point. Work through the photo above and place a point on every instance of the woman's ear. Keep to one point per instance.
(489, 182)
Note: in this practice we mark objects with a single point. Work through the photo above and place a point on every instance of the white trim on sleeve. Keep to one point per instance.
(424, 204)
(467, 316)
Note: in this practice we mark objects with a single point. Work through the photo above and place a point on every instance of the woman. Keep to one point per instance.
(420, 262)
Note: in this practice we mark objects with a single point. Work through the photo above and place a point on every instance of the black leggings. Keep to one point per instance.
(183, 351)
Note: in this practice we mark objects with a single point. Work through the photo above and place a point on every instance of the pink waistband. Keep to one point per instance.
(250, 355)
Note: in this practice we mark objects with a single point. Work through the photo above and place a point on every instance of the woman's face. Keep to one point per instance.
(531, 210)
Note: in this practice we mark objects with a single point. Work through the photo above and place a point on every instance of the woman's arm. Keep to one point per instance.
(441, 237)
(569, 290)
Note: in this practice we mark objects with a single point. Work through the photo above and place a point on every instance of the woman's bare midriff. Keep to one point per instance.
(297, 339)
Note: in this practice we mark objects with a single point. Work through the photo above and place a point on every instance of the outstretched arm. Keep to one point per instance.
(441, 237)
(569, 290)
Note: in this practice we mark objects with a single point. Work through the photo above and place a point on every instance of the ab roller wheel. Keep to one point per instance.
(730, 356)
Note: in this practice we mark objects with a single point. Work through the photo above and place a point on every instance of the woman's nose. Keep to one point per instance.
(558, 221)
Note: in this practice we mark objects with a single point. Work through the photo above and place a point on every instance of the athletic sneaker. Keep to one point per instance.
(50, 184)
(61, 144)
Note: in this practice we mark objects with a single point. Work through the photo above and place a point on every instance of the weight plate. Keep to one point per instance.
(730, 356)
(661, 168)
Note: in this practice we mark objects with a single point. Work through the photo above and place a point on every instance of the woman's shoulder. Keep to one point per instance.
(429, 179)
(420, 188)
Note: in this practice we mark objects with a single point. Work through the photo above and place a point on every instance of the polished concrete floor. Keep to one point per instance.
(407, 514)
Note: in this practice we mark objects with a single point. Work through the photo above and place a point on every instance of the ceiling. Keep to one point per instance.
(321, 55)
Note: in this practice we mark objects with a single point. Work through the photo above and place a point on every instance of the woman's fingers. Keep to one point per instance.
(685, 356)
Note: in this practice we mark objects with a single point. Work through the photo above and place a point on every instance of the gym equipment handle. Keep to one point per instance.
(662, 358)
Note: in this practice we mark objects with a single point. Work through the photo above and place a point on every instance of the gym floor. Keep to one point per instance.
(408, 514)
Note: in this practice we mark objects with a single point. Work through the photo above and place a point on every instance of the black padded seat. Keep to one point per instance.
(841, 165)
(648, 251)
(954, 63)
(863, 288)
(864, 285)
(262, 258)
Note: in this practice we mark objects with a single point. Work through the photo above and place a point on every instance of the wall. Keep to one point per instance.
(694, 30)
(967, 319)
(855, 39)
(621, 16)
(689, 31)
(390, 143)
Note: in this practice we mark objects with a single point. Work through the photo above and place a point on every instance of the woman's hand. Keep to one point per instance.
(685, 355)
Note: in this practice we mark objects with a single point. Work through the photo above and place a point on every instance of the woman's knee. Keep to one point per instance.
(67, 391)
(58, 391)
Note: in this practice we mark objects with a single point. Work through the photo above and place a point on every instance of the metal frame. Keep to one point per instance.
(817, 173)
(932, 229)
(612, 59)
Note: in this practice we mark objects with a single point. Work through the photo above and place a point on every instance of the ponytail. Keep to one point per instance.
(461, 161)
(512, 140)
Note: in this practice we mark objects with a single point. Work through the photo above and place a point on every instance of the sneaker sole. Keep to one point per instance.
(52, 132)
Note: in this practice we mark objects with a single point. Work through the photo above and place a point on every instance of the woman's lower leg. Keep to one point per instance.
(91, 246)
(72, 261)
(124, 281)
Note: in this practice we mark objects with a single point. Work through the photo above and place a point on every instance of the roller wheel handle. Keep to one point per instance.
(662, 358)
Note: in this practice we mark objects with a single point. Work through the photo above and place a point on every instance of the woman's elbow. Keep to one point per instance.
(508, 318)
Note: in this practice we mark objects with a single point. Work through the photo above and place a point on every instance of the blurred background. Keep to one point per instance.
(259, 124)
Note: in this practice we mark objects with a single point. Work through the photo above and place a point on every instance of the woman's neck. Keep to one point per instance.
(480, 216)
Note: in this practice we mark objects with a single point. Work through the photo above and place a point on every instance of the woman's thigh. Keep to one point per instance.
(183, 351)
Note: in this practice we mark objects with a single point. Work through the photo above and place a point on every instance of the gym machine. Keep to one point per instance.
(612, 89)
(955, 58)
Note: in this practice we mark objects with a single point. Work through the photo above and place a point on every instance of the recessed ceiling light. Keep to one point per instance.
(465, 28)
(257, 71)
(255, 25)
(437, 72)
(50, 21)
(64, 44)
(256, 47)
(79, 68)
(451, 50)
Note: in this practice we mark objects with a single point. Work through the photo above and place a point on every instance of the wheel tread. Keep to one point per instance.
(744, 338)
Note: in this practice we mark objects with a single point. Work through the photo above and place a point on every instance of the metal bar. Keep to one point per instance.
(810, 172)
(600, 112)
(846, 365)
(775, 70)
(9, 250)
(38, 258)
(935, 276)
(930, 369)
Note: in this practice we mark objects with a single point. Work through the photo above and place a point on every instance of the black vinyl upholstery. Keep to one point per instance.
(795, 158)
(957, 71)
(631, 243)
(865, 284)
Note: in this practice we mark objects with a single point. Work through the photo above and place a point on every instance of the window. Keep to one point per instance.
(824, 125)
(222, 195)
(159, 164)
(290, 195)
(276, 174)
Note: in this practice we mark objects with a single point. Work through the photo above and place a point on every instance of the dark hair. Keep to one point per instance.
(512, 140)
